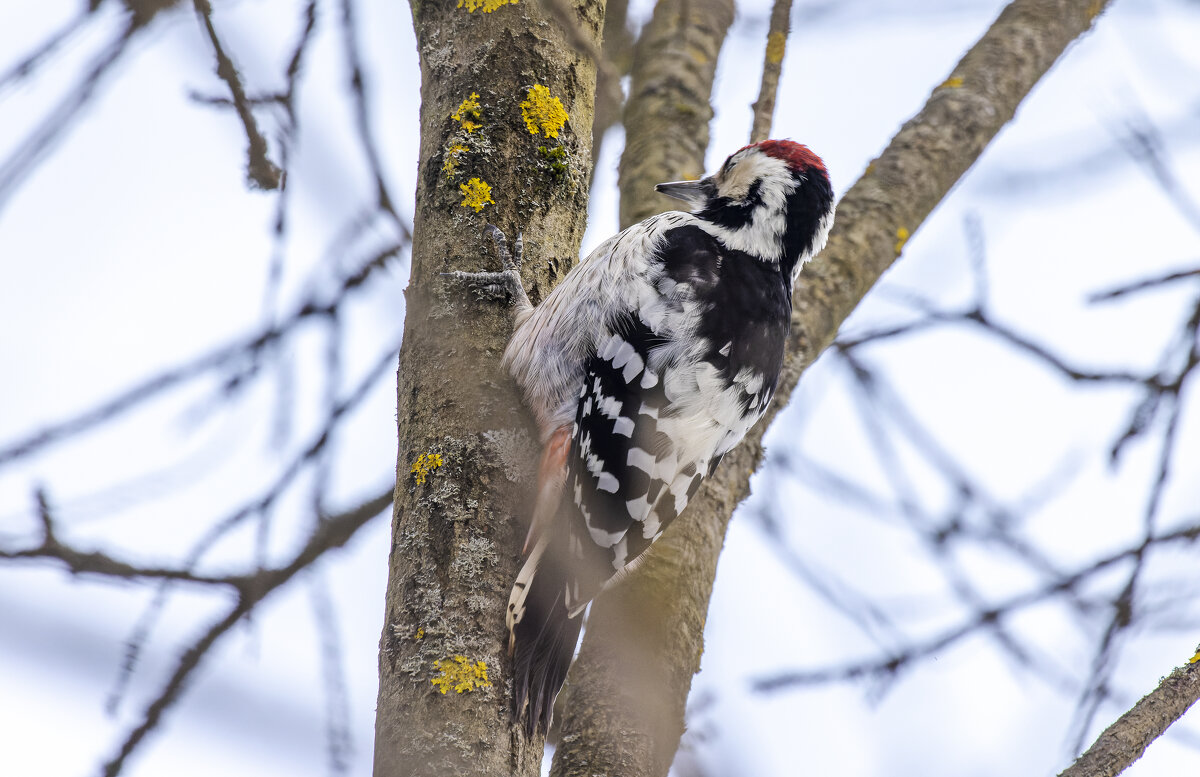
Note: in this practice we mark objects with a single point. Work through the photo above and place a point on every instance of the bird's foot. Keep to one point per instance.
(504, 285)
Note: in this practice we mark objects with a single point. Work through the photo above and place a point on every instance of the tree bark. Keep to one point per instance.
(617, 49)
(777, 35)
(920, 166)
(1127, 738)
(444, 672)
(667, 115)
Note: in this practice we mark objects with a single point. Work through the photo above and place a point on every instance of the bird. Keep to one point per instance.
(648, 363)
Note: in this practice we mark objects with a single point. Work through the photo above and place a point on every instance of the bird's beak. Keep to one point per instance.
(694, 193)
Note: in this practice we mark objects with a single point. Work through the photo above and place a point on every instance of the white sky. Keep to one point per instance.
(136, 245)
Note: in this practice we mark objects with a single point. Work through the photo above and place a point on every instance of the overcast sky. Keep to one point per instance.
(136, 245)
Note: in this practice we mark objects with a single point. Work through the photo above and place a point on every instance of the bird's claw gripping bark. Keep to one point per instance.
(504, 285)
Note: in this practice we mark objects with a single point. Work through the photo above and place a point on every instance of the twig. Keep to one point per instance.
(777, 35)
(288, 101)
(30, 62)
(1146, 283)
(362, 118)
(1124, 741)
(188, 663)
(1145, 144)
(890, 664)
(254, 508)
(259, 169)
(33, 148)
(80, 562)
(329, 534)
(339, 742)
(246, 348)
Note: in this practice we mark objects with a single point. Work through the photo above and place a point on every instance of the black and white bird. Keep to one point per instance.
(647, 364)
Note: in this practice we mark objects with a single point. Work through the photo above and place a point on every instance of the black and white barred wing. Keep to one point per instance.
(625, 481)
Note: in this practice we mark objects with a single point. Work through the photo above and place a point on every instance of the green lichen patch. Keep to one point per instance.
(556, 160)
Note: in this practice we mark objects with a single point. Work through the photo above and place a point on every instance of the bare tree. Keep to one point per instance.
(511, 96)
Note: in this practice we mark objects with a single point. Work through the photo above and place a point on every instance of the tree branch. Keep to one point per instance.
(667, 114)
(455, 534)
(777, 35)
(244, 352)
(331, 533)
(1125, 740)
(900, 188)
(259, 169)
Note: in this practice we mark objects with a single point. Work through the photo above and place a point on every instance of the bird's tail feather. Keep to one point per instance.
(544, 637)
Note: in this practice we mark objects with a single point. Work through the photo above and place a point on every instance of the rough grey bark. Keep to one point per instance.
(455, 536)
(1125, 740)
(613, 691)
(667, 114)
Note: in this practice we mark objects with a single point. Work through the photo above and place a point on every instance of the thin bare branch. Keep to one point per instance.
(777, 35)
(1144, 284)
(288, 101)
(31, 151)
(362, 119)
(1188, 534)
(332, 533)
(28, 64)
(243, 351)
(259, 169)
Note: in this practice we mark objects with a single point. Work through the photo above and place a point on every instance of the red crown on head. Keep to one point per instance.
(797, 155)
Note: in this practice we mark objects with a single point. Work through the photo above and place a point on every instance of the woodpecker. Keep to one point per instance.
(647, 364)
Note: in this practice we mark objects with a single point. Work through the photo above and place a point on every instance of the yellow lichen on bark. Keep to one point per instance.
(487, 5)
(425, 464)
(451, 159)
(476, 194)
(459, 673)
(543, 113)
(776, 45)
(469, 114)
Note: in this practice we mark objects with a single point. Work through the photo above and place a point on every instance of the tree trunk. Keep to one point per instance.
(666, 118)
(457, 528)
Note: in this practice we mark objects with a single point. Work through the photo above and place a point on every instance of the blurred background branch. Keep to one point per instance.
(984, 484)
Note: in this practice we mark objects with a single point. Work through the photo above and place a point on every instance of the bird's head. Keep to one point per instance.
(772, 200)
